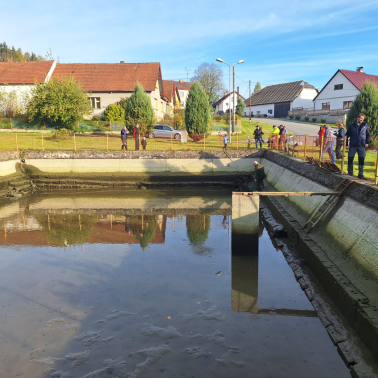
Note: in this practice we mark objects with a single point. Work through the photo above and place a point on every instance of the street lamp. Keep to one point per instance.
(229, 88)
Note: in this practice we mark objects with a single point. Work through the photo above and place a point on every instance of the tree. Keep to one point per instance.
(366, 102)
(240, 107)
(197, 111)
(257, 88)
(114, 112)
(60, 101)
(139, 110)
(209, 76)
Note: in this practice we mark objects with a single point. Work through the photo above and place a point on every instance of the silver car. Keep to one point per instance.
(165, 131)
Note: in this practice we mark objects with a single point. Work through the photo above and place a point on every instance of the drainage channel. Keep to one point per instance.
(142, 284)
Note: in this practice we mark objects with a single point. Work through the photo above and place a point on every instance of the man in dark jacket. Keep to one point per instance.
(258, 133)
(340, 134)
(259, 175)
(359, 140)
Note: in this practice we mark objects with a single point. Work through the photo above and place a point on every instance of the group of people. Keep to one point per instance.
(136, 136)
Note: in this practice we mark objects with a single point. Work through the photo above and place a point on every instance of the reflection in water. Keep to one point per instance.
(105, 309)
(198, 227)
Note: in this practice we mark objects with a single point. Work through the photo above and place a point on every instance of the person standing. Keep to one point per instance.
(144, 143)
(258, 133)
(275, 136)
(282, 136)
(124, 138)
(340, 135)
(328, 144)
(259, 175)
(321, 132)
(136, 137)
(225, 141)
(359, 140)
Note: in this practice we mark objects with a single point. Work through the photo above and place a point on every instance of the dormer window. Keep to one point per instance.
(337, 87)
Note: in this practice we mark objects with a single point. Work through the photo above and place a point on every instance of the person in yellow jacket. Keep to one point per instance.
(275, 137)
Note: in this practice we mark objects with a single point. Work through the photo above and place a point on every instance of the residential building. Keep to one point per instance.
(109, 82)
(19, 78)
(341, 90)
(183, 88)
(171, 93)
(277, 100)
(226, 102)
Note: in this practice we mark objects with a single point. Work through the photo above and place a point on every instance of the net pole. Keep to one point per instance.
(321, 148)
(305, 148)
(237, 142)
(343, 159)
(293, 145)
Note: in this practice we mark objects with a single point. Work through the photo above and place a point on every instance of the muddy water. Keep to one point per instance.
(137, 285)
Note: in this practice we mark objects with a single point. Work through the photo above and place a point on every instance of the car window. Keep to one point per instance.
(167, 128)
(158, 127)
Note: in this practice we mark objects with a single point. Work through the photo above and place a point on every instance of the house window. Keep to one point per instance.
(95, 102)
(338, 87)
(347, 104)
(182, 103)
(258, 112)
(326, 105)
(270, 111)
(156, 105)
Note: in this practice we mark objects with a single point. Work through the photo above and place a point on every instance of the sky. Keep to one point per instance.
(279, 41)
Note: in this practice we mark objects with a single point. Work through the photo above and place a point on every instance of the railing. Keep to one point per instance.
(313, 112)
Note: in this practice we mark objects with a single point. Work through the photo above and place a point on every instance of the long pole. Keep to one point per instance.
(250, 116)
(343, 156)
(233, 99)
(229, 102)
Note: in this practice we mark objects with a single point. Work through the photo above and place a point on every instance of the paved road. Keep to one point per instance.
(297, 128)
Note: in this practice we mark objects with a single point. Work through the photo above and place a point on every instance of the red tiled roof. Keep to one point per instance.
(24, 72)
(359, 78)
(111, 77)
(185, 85)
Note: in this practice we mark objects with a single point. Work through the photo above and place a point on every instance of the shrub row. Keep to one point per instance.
(307, 118)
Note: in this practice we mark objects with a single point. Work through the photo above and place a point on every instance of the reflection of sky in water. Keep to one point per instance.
(165, 311)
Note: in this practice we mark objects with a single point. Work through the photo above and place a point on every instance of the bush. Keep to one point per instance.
(298, 117)
(114, 113)
(314, 119)
(291, 116)
(265, 115)
(323, 120)
(307, 118)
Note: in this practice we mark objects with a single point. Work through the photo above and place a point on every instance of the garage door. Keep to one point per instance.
(281, 109)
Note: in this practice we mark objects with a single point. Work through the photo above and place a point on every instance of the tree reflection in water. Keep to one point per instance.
(198, 227)
(143, 227)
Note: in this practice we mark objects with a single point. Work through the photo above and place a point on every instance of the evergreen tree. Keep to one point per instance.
(366, 102)
(240, 107)
(197, 111)
(139, 110)
(59, 101)
(257, 88)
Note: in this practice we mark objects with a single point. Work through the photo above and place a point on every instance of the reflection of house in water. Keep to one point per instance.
(70, 229)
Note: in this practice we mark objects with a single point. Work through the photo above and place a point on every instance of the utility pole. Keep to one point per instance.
(250, 116)
(233, 97)
(187, 74)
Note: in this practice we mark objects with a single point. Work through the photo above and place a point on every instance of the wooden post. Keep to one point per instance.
(43, 146)
(107, 142)
(74, 141)
(110, 125)
(16, 142)
(293, 145)
(321, 148)
(305, 147)
(343, 156)
(237, 142)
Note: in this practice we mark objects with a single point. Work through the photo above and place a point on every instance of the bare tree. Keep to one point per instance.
(210, 76)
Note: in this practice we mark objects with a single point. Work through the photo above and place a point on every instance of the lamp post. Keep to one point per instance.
(229, 87)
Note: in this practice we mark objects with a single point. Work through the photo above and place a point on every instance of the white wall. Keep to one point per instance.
(337, 97)
(22, 93)
(263, 109)
(226, 104)
(305, 99)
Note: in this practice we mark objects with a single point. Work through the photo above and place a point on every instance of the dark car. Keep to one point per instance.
(165, 131)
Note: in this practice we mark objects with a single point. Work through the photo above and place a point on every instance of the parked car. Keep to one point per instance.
(164, 131)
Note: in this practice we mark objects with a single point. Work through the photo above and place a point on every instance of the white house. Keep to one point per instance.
(342, 89)
(19, 78)
(226, 102)
(277, 100)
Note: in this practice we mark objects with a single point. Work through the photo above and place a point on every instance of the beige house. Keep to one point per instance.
(171, 93)
(109, 82)
(183, 88)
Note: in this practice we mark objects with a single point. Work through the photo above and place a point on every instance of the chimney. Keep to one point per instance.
(181, 81)
(122, 61)
(360, 69)
(225, 93)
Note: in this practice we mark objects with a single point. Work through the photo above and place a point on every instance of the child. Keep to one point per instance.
(249, 142)
(225, 141)
(144, 143)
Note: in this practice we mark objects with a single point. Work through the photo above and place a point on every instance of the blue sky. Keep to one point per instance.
(280, 41)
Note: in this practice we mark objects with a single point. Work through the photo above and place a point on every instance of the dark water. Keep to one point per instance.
(136, 285)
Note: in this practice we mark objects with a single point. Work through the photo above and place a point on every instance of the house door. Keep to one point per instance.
(281, 109)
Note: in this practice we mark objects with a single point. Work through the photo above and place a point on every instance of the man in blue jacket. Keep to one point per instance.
(359, 140)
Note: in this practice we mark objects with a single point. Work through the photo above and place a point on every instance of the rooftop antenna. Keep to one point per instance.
(187, 73)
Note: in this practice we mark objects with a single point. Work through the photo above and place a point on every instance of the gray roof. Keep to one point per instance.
(272, 94)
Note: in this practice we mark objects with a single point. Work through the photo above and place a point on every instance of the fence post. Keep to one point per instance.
(305, 147)
(16, 143)
(237, 142)
(343, 156)
(376, 171)
(293, 145)
(171, 142)
(74, 142)
(321, 148)
(107, 142)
